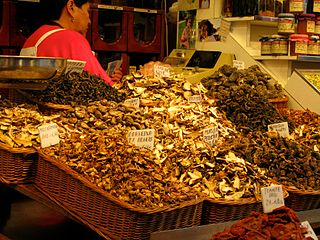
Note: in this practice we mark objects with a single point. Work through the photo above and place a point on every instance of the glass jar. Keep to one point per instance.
(286, 23)
(296, 6)
(313, 45)
(266, 42)
(306, 24)
(317, 26)
(313, 6)
(298, 44)
(279, 45)
(266, 8)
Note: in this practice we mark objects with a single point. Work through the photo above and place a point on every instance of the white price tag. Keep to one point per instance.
(281, 128)
(272, 198)
(195, 99)
(238, 64)
(310, 232)
(224, 29)
(142, 138)
(75, 66)
(161, 71)
(133, 102)
(49, 135)
(210, 135)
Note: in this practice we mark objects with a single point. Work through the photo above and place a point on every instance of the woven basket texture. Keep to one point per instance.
(107, 215)
(302, 200)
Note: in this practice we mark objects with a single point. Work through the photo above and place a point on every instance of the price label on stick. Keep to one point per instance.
(75, 66)
(142, 138)
(238, 64)
(281, 128)
(132, 102)
(210, 135)
(195, 99)
(161, 71)
(49, 135)
(272, 198)
(310, 233)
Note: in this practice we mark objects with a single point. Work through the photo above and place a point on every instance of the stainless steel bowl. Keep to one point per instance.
(31, 68)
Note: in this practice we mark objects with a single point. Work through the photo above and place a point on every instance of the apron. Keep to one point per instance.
(32, 51)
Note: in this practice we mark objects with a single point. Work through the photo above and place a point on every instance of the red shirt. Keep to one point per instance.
(67, 44)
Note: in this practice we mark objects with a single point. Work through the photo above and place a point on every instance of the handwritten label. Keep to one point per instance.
(49, 135)
(281, 128)
(238, 64)
(310, 232)
(133, 102)
(224, 29)
(75, 66)
(272, 198)
(210, 135)
(195, 99)
(142, 138)
(161, 71)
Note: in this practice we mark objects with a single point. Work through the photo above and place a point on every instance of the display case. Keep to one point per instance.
(304, 87)
(4, 23)
(25, 18)
(145, 30)
(109, 28)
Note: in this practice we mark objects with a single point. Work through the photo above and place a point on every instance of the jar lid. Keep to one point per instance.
(279, 36)
(314, 37)
(299, 37)
(264, 38)
(307, 15)
(289, 15)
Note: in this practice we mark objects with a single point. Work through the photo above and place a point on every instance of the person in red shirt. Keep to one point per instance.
(64, 36)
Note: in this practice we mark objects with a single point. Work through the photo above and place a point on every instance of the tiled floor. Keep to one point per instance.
(30, 220)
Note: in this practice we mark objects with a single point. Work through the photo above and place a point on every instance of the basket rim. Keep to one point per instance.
(6, 147)
(296, 190)
(45, 104)
(147, 210)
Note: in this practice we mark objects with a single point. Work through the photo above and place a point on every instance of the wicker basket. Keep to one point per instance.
(105, 214)
(279, 103)
(219, 210)
(17, 166)
(301, 200)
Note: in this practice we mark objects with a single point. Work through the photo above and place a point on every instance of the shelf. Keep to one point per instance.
(288, 58)
(307, 58)
(255, 20)
(239, 19)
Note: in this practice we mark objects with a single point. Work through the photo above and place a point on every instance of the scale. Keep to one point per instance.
(31, 73)
(194, 65)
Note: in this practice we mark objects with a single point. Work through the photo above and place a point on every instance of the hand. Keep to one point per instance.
(117, 75)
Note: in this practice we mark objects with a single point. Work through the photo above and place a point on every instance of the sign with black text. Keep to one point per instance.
(272, 198)
(75, 66)
(281, 128)
(49, 135)
(142, 138)
(210, 135)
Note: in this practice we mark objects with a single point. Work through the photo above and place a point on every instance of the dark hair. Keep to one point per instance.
(52, 8)
(211, 30)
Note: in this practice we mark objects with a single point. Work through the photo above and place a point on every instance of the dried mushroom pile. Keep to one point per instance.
(74, 88)
(281, 223)
(243, 96)
(19, 124)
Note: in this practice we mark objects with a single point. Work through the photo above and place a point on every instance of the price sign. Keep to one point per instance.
(49, 135)
(161, 71)
(272, 198)
(195, 99)
(210, 135)
(238, 64)
(224, 29)
(281, 128)
(142, 138)
(133, 102)
(310, 233)
(75, 66)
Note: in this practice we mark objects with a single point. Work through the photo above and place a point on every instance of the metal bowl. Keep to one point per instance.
(31, 68)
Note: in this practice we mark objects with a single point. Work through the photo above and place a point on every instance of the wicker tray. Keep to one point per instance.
(279, 103)
(17, 166)
(216, 210)
(301, 200)
(105, 214)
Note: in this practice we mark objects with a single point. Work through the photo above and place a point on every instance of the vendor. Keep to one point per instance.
(64, 36)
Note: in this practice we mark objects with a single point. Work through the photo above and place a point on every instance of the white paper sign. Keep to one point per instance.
(133, 102)
(75, 66)
(210, 135)
(49, 135)
(281, 128)
(142, 138)
(161, 71)
(238, 64)
(310, 232)
(272, 198)
(224, 29)
(195, 99)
